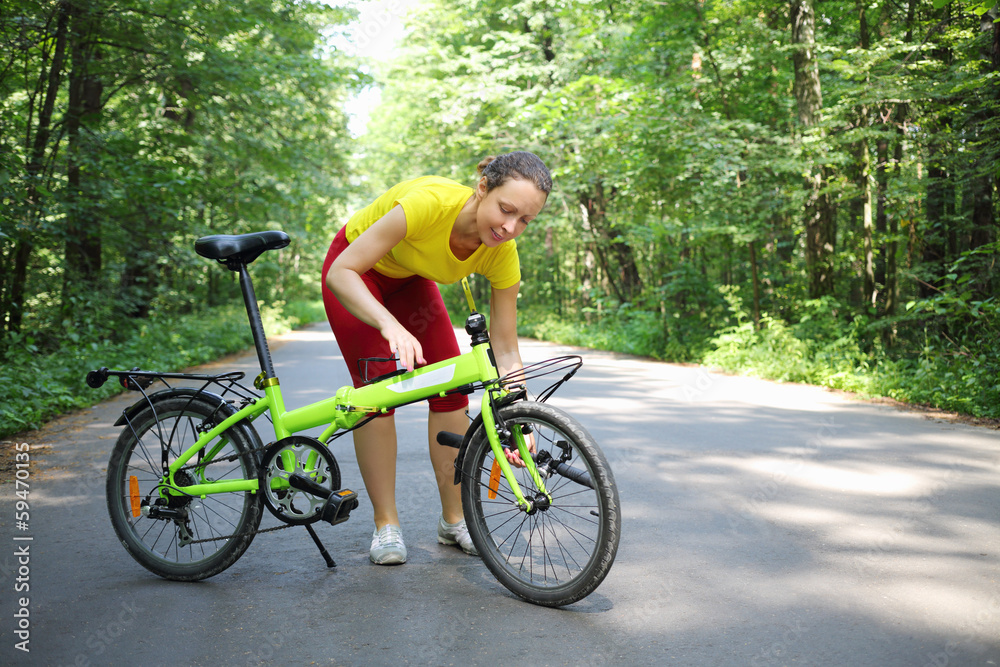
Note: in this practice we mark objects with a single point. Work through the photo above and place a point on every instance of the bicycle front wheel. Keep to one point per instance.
(186, 538)
(563, 550)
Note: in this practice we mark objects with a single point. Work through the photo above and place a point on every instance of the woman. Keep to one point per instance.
(382, 300)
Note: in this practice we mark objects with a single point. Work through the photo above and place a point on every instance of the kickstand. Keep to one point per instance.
(322, 549)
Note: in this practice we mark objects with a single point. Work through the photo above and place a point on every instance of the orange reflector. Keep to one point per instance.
(494, 480)
(133, 494)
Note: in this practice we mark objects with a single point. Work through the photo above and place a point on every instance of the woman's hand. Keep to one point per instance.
(404, 345)
(514, 456)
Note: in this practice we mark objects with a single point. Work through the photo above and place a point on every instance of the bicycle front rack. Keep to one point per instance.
(567, 365)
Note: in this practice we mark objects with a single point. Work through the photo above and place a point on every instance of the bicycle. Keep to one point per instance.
(189, 474)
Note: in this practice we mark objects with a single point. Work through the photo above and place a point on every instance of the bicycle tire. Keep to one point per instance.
(156, 543)
(558, 555)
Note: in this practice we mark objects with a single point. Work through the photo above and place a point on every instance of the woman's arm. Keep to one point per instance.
(503, 340)
(344, 280)
(503, 329)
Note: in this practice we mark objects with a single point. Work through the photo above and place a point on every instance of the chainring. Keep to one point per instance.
(305, 456)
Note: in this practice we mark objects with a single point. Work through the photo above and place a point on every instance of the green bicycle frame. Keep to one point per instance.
(351, 404)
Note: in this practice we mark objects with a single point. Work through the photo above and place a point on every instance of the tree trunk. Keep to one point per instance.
(867, 228)
(863, 38)
(819, 220)
(983, 222)
(614, 254)
(756, 286)
(892, 247)
(806, 87)
(995, 52)
(864, 177)
(15, 313)
(979, 194)
(12, 311)
(881, 212)
(83, 238)
(939, 190)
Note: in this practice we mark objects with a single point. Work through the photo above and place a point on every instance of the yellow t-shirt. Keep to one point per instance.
(431, 205)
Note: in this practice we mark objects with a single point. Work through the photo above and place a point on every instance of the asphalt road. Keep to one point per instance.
(763, 524)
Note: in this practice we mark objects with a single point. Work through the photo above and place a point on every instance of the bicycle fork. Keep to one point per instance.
(498, 433)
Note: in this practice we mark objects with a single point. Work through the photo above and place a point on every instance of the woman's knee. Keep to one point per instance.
(449, 403)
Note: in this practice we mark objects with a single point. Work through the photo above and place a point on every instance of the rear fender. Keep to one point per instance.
(223, 408)
(215, 400)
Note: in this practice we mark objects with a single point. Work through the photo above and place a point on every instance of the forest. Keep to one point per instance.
(802, 190)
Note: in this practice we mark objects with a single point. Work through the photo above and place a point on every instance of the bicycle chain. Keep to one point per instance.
(228, 537)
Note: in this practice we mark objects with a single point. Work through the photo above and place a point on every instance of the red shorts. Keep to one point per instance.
(415, 302)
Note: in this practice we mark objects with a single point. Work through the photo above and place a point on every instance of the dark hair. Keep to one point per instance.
(518, 164)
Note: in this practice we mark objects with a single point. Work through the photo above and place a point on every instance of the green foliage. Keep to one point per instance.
(772, 352)
(296, 314)
(631, 332)
(818, 349)
(964, 382)
(952, 359)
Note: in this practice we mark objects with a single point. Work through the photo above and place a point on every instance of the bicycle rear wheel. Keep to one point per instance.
(562, 551)
(208, 534)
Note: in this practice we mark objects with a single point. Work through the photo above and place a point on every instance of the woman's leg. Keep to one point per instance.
(375, 442)
(375, 446)
(443, 460)
(452, 529)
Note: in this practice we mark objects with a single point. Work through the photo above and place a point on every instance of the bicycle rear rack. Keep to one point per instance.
(139, 380)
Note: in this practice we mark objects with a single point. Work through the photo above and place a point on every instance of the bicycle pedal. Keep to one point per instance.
(339, 505)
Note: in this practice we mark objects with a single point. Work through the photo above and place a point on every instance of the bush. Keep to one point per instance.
(947, 376)
(771, 352)
(625, 330)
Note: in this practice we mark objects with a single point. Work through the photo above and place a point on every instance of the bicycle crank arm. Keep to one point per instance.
(303, 483)
(339, 504)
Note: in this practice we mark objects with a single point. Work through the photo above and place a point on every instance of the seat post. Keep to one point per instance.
(256, 325)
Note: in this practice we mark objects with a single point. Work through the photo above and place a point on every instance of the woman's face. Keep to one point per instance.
(505, 211)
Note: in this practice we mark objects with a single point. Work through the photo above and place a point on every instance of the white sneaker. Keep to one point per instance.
(387, 546)
(456, 534)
